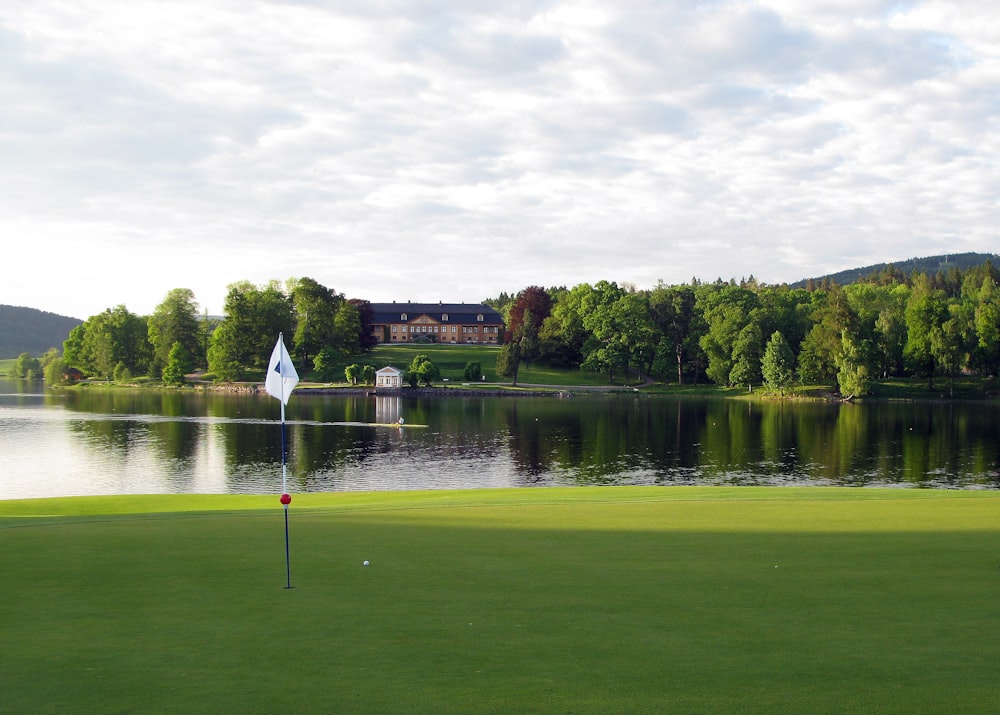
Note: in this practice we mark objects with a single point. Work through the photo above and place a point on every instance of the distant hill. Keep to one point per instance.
(930, 265)
(27, 330)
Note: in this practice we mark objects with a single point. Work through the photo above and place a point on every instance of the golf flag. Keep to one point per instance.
(281, 376)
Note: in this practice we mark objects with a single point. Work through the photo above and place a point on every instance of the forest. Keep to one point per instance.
(31, 330)
(888, 324)
(748, 333)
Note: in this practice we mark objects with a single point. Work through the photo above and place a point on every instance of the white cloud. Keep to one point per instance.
(400, 150)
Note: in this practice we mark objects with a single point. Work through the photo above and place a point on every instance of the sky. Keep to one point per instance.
(431, 150)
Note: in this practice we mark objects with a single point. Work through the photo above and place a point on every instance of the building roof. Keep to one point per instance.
(457, 313)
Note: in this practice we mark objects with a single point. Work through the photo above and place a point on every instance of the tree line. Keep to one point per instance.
(320, 325)
(729, 333)
(750, 333)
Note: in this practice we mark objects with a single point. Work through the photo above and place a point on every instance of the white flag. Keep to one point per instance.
(281, 376)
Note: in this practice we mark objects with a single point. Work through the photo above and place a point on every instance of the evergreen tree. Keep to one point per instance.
(508, 361)
(178, 365)
(175, 320)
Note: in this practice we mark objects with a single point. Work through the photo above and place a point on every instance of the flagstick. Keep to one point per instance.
(284, 468)
(285, 499)
(288, 564)
(280, 368)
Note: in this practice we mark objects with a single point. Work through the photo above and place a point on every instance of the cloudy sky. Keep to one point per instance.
(433, 150)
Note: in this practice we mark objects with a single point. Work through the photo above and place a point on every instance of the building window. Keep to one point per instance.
(444, 318)
(394, 328)
(479, 317)
(403, 316)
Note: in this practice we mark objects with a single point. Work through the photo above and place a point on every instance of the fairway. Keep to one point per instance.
(582, 600)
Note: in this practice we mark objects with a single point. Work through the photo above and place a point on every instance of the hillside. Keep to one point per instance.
(929, 265)
(27, 330)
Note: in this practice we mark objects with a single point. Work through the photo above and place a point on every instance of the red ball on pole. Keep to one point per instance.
(286, 499)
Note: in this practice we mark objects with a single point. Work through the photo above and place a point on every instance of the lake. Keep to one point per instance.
(92, 442)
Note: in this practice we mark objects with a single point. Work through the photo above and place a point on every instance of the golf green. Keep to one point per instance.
(581, 600)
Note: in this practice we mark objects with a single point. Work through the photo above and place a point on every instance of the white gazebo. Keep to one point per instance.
(389, 376)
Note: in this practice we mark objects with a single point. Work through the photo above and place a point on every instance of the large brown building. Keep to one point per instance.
(440, 322)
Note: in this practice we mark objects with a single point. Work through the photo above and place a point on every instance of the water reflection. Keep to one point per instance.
(142, 441)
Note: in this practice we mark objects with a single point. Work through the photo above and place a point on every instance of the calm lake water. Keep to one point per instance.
(130, 442)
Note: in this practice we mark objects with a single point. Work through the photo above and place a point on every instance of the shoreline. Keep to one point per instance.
(453, 390)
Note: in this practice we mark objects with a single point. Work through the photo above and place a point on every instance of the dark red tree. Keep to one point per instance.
(534, 299)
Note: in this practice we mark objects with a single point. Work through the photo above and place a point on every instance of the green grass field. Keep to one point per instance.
(451, 360)
(585, 600)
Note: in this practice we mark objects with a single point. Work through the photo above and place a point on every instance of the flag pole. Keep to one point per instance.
(286, 498)
(279, 370)
(284, 461)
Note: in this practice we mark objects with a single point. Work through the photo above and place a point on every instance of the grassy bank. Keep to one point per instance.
(452, 359)
(588, 600)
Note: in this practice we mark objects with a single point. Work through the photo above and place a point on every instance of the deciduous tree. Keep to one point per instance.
(727, 310)
(254, 318)
(986, 319)
(424, 370)
(680, 327)
(778, 364)
(746, 357)
(853, 374)
(926, 310)
(315, 307)
(473, 371)
(26, 364)
(102, 341)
